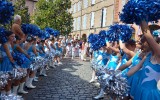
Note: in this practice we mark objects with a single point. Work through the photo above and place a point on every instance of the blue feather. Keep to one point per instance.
(31, 29)
(137, 10)
(3, 38)
(6, 11)
(116, 32)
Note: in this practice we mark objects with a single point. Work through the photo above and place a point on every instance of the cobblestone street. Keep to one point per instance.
(69, 81)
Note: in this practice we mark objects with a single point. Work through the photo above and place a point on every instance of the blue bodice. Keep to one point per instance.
(147, 86)
(4, 52)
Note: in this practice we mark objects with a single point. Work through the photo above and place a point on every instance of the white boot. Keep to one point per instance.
(8, 92)
(21, 90)
(55, 63)
(29, 83)
(101, 95)
(15, 88)
(93, 77)
(35, 79)
(3, 92)
(43, 72)
(92, 80)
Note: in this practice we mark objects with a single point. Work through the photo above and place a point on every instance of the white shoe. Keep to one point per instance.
(101, 95)
(21, 90)
(35, 79)
(55, 64)
(29, 83)
(60, 63)
(43, 72)
(91, 81)
(31, 86)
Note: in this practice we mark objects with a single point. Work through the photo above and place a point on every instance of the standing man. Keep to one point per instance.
(16, 28)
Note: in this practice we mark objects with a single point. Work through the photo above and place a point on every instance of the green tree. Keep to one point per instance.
(22, 10)
(54, 14)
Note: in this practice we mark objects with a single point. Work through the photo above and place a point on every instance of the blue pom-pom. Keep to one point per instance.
(103, 34)
(137, 10)
(125, 33)
(56, 33)
(49, 30)
(116, 32)
(100, 42)
(19, 58)
(31, 29)
(6, 11)
(44, 35)
(113, 32)
(3, 38)
(93, 38)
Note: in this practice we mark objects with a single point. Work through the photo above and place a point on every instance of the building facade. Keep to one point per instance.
(30, 4)
(92, 16)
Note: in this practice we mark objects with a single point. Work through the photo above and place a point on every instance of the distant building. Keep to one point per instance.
(92, 16)
(30, 4)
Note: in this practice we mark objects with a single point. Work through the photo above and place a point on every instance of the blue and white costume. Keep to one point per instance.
(6, 64)
(124, 61)
(133, 80)
(113, 62)
(147, 89)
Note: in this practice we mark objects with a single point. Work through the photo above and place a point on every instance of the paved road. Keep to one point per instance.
(67, 82)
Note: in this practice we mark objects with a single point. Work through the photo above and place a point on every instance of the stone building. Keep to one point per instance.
(91, 16)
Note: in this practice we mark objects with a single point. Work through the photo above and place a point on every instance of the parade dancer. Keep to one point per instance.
(8, 62)
(58, 54)
(30, 48)
(147, 87)
(26, 64)
(53, 51)
(42, 54)
(112, 64)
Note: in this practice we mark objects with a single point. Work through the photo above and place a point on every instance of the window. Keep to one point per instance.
(93, 2)
(74, 24)
(85, 3)
(92, 19)
(84, 22)
(78, 23)
(75, 8)
(103, 18)
(79, 5)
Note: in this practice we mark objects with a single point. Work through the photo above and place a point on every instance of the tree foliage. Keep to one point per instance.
(22, 10)
(54, 14)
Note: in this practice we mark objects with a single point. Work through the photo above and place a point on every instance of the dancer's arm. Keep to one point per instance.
(151, 41)
(21, 50)
(8, 52)
(127, 51)
(136, 68)
(126, 65)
